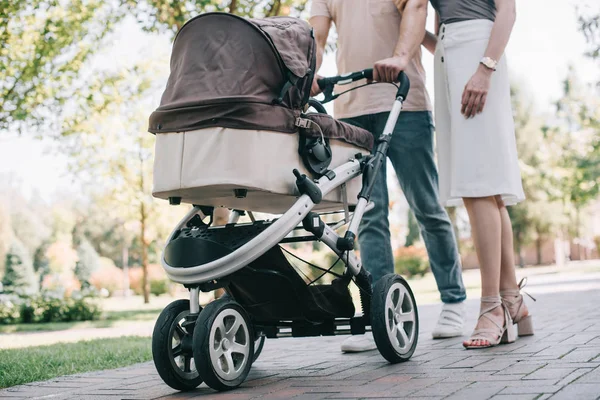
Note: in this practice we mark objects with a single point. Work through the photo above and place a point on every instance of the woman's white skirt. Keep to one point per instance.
(477, 157)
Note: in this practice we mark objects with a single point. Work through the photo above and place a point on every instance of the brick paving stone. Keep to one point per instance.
(521, 368)
(470, 362)
(515, 397)
(549, 373)
(591, 377)
(440, 389)
(572, 377)
(579, 391)
(478, 391)
(582, 355)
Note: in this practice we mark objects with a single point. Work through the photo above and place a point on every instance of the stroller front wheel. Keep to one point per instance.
(223, 344)
(394, 319)
(172, 347)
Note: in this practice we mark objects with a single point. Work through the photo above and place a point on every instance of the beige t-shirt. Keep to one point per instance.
(368, 32)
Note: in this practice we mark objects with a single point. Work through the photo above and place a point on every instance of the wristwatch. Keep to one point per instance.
(489, 63)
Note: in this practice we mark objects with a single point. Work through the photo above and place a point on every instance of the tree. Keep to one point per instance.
(578, 134)
(43, 46)
(541, 214)
(4, 235)
(88, 262)
(41, 262)
(169, 16)
(19, 275)
(111, 153)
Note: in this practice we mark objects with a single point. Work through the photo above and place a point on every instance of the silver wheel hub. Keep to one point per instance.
(400, 318)
(229, 343)
(225, 344)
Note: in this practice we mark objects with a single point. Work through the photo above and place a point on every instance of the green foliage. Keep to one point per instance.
(19, 276)
(159, 286)
(43, 46)
(88, 262)
(41, 262)
(413, 230)
(169, 16)
(10, 311)
(589, 23)
(411, 261)
(20, 366)
(5, 232)
(48, 307)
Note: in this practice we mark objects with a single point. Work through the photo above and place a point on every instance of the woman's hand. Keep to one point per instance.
(475, 93)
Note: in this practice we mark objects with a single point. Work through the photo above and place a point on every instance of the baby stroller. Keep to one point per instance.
(233, 131)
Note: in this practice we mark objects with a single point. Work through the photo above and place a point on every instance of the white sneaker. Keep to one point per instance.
(358, 343)
(451, 321)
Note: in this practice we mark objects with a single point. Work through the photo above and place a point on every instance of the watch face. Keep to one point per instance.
(488, 62)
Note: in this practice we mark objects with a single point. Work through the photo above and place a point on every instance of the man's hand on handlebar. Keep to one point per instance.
(387, 70)
(315, 89)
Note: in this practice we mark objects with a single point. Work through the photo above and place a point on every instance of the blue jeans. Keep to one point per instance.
(411, 154)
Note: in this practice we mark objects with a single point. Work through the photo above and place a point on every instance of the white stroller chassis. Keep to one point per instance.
(219, 343)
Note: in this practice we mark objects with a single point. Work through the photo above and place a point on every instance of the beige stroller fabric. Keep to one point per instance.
(205, 166)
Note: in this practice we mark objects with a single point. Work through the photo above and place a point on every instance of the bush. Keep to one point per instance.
(411, 261)
(155, 272)
(49, 307)
(9, 309)
(159, 286)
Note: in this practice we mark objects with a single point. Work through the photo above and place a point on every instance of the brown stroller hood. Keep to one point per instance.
(232, 72)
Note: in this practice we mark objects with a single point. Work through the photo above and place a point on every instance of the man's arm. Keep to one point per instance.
(321, 26)
(412, 31)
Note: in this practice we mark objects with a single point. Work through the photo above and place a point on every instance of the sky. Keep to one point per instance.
(544, 43)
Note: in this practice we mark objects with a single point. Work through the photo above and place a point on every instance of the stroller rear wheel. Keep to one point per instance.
(223, 344)
(172, 347)
(394, 319)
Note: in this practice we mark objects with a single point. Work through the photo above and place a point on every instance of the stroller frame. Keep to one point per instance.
(199, 329)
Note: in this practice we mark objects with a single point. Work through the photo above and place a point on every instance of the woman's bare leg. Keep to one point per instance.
(508, 278)
(486, 230)
(509, 289)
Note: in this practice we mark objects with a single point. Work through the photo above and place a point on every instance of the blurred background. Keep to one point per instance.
(79, 79)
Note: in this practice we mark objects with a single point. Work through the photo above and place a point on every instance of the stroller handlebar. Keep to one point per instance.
(328, 83)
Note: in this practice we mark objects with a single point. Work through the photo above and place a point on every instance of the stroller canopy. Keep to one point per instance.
(232, 72)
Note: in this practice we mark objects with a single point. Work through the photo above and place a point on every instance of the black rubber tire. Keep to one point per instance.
(379, 319)
(258, 347)
(202, 345)
(162, 337)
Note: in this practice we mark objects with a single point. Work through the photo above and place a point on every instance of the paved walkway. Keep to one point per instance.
(562, 361)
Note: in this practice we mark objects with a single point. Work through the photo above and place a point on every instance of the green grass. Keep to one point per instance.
(108, 320)
(32, 364)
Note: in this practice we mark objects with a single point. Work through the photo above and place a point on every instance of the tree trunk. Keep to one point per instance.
(577, 226)
(143, 242)
(145, 283)
(125, 260)
(233, 6)
(538, 249)
(274, 9)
